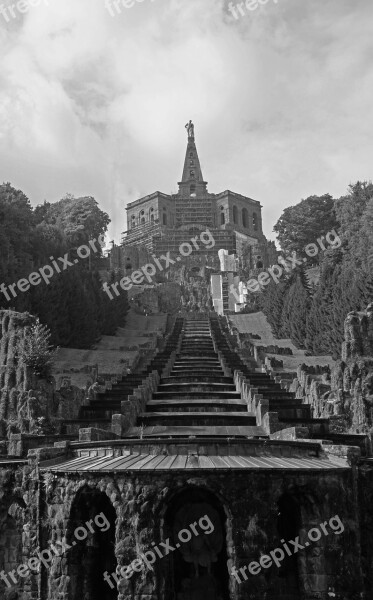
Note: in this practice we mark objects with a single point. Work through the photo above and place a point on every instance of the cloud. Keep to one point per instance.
(94, 104)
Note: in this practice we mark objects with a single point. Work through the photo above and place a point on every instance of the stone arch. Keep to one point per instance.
(200, 564)
(93, 555)
(235, 214)
(245, 218)
(303, 507)
(222, 215)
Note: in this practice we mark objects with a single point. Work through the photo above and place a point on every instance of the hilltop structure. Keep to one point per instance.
(161, 222)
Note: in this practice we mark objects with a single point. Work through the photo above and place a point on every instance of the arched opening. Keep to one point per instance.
(235, 215)
(222, 216)
(259, 262)
(192, 188)
(133, 221)
(255, 222)
(195, 522)
(245, 218)
(151, 213)
(92, 554)
(288, 526)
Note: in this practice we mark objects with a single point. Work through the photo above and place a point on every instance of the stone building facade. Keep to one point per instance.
(160, 222)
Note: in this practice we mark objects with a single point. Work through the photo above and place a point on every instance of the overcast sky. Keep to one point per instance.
(94, 104)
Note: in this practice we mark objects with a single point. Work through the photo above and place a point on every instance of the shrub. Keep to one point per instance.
(36, 351)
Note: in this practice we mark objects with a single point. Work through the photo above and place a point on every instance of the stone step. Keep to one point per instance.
(196, 404)
(285, 402)
(196, 418)
(196, 373)
(291, 412)
(196, 387)
(200, 395)
(202, 378)
(198, 431)
(190, 359)
(197, 370)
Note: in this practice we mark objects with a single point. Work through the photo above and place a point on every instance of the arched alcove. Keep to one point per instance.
(196, 524)
(93, 554)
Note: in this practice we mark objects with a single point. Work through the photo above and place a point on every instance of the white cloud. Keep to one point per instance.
(94, 104)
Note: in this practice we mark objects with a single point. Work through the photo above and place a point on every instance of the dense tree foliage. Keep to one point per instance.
(73, 305)
(304, 223)
(313, 316)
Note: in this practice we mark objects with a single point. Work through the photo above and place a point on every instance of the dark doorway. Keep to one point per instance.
(197, 569)
(288, 526)
(92, 556)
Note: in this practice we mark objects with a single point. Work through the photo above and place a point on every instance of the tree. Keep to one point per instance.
(79, 218)
(305, 222)
(35, 350)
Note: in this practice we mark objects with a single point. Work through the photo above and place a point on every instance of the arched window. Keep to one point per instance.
(164, 216)
(255, 222)
(245, 218)
(222, 216)
(151, 213)
(192, 173)
(192, 188)
(133, 221)
(235, 215)
(191, 154)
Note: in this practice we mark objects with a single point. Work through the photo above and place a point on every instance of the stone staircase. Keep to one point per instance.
(291, 410)
(99, 411)
(197, 399)
(196, 395)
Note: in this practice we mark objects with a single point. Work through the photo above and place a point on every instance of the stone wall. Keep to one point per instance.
(250, 503)
(28, 405)
(347, 392)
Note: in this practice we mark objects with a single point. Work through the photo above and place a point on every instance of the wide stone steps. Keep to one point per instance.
(163, 431)
(196, 418)
(183, 371)
(201, 379)
(201, 395)
(196, 387)
(211, 371)
(197, 399)
(197, 404)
